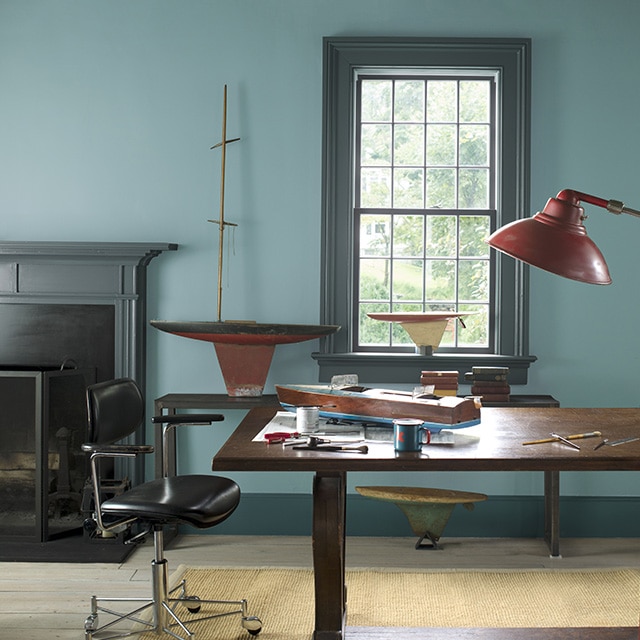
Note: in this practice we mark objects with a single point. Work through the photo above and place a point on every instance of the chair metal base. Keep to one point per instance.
(162, 607)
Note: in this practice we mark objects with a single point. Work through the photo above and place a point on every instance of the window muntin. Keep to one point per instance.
(424, 196)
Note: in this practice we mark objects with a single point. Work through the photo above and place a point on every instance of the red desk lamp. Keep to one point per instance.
(555, 239)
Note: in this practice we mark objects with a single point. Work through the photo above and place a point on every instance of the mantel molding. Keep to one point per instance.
(80, 271)
(54, 248)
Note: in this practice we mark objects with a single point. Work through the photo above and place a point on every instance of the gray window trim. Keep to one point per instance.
(342, 56)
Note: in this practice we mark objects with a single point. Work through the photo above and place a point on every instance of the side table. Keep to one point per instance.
(172, 402)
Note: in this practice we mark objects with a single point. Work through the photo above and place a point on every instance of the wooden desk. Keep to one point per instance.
(496, 447)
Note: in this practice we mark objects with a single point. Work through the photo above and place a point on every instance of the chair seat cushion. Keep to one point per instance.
(199, 500)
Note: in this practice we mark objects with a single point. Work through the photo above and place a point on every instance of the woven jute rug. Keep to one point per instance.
(283, 599)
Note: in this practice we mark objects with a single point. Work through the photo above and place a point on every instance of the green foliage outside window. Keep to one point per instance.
(424, 198)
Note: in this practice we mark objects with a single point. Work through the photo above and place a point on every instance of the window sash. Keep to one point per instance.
(387, 123)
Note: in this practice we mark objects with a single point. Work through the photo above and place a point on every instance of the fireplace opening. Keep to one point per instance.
(49, 353)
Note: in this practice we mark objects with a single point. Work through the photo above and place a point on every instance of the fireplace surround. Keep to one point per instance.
(65, 307)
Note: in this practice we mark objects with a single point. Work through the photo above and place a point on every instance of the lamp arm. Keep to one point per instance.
(613, 206)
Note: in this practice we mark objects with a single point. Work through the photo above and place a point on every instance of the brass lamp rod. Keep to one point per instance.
(221, 222)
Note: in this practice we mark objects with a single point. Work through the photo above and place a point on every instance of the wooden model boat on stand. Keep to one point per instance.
(381, 406)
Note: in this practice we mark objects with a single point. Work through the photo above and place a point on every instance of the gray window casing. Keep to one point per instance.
(341, 57)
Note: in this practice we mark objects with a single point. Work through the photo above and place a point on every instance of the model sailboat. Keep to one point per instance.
(244, 348)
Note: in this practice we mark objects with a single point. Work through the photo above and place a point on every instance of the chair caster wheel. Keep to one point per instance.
(252, 624)
(195, 607)
(90, 625)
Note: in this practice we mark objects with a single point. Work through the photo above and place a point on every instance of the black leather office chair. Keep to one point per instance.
(116, 410)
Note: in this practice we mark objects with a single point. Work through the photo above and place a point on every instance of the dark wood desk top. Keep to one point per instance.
(494, 445)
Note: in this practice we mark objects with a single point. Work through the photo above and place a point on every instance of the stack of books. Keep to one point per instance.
(491, 383)
(445, 383)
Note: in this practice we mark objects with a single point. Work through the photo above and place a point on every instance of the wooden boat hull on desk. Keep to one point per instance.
(381, 406)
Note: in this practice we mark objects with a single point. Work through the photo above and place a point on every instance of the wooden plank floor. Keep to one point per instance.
(41, 601)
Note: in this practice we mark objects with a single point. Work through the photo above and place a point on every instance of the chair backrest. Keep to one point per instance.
(115, 410)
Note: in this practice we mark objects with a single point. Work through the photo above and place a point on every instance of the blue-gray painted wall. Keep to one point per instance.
(108, 111)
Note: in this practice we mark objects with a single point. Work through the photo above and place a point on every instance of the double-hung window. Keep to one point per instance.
(426, 146)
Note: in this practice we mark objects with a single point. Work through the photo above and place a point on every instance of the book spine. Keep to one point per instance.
(483, 377)
(480, 390)
(439, 382)
(490, 370)
(494, 397)
(490, 383)
(440, 374)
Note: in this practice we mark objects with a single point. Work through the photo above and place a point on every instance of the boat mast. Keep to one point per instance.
(221, 222)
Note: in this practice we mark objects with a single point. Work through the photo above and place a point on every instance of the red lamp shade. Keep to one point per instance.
(556, 239)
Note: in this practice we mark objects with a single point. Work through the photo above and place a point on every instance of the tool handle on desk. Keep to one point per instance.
(576, 436)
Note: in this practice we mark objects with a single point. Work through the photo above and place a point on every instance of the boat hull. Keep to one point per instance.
(380, 406)
(244, 333)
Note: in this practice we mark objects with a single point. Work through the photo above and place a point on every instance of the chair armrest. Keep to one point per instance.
(188, 418)
(116, 449)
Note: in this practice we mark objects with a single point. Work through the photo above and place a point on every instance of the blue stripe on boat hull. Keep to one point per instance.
(434, 427)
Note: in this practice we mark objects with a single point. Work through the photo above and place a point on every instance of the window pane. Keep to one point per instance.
(473, 232)
(441, 236)
(375, 235)
(474, 145)
(375, 188)
(442, 144)
(376, 100)
(407, 280)
(474, 189)
(474, 100)
(408, 236)
(408, 188)
(375, 149)
(373, 332)
(442, 104)
(374, 279)
(441, 188)
(440, 280)
(473, 282)
(408, 145)
(409, 101)
(476, 330)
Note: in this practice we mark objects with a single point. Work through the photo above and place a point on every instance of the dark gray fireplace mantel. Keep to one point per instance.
(83, 273)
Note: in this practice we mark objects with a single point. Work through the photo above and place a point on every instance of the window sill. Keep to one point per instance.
(405, 368)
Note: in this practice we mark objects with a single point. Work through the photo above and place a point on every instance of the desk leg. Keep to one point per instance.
(158, 446)
(552, 511)
(329, 511)
(170, 530)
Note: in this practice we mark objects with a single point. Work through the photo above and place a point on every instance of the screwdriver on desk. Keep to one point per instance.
(576, 436)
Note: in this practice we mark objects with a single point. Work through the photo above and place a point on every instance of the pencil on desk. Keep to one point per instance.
(576, 436)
